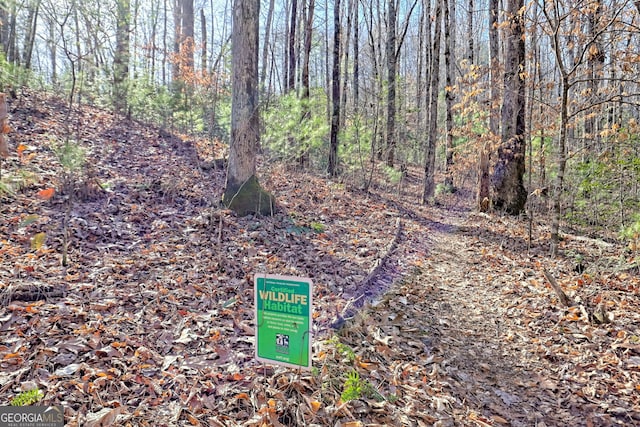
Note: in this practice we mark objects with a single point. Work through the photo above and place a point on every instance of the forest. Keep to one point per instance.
(459, 178)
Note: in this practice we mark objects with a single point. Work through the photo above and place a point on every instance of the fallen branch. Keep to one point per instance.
(552, 281)
(364, 285)
(31, 293)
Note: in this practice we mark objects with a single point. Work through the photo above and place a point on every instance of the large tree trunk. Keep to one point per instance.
(507, 182)
(335, 93)
(483, 195)
(291, 81)
(430, 157)
(243, 193)
(494, 70)
(356, 58)
(391, 82)
(121, 57)
(30, 36)
(449, 93)
(308, 10)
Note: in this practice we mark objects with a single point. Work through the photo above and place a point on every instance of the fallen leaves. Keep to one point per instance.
(152, 322)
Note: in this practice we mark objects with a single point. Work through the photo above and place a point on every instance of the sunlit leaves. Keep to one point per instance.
(38, 240)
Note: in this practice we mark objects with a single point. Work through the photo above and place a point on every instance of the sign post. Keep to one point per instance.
(283, 306)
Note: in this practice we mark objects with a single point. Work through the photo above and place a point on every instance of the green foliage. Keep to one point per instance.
(70, 155)
(5, 189)
(631, 232)
(150, 102)
(355, 145)
(603, 188)
(12, 183)
(27, 398)
(353, 387)
(317, 227)
(287, 135)
(444, 188)
(13, 76)
(394, 176)
(344, 350)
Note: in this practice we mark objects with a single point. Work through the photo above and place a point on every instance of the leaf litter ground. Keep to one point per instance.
(424, 315)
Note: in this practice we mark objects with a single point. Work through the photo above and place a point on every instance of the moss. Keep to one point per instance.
(249, 198)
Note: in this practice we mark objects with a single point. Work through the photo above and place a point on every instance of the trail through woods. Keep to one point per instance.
(424, 315)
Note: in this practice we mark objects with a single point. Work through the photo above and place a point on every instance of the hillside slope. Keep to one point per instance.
(426, 315)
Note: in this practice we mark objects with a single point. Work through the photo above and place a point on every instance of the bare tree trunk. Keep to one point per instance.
(4, 30)
(428, 54)
(335, 93)
(430, 156)
(32, 23)
(243, 193)
(121, 57)
(509, 193)
(483, 195)
(392, 66)
(177, 39)
(356, 57)
(53, 54)
(11, 44)
(164, 44)
(291, 81)
(470, 35)
(345, 58)
(266, 44)
(203, 55)
(188, 36)
(449, 94)
(494, 69)
(308, 32)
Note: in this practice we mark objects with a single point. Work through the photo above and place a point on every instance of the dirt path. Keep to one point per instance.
(475, 336)
(152, 321)
(490, 334)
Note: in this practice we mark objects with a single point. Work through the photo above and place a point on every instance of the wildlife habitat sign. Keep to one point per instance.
(283, 307)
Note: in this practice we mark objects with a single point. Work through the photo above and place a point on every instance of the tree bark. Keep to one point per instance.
(121, 58)
(243, 193)
(266, 44)
(449, 93)
(494, 53)
(430, 155)
(203, 55)
(391, 81)
(308, 32)
(332, 167)
(507, 181)
(291, 81)
(434, 72)
(30, 36)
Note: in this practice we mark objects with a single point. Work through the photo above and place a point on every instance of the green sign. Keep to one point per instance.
(283, 320)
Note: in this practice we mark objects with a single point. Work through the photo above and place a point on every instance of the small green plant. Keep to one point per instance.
(5, 190)
(317, 227)
(343, 349)
(71, 156)
(353, 387)
(631, 233)
(27, 398)
(394, 176)
(444, 188)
